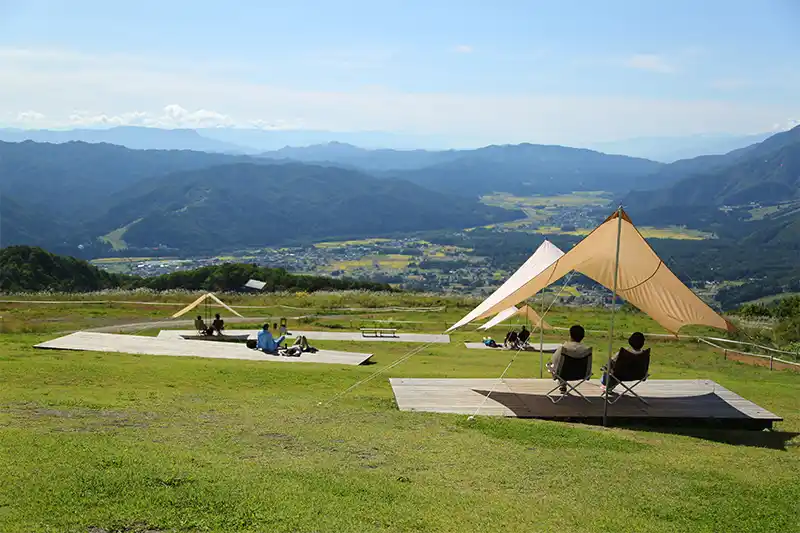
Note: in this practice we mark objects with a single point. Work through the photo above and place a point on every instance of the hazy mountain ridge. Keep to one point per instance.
(252, 205)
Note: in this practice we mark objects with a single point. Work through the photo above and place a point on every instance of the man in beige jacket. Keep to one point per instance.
(573, 348)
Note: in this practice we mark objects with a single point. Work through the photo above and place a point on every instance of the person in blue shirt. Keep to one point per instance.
(266, 342)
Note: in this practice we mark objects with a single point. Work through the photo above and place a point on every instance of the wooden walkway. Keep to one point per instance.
(674, 402)
(133, 344)
(534, 347)
(327, 336)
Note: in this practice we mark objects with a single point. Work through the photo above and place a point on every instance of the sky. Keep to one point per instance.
(500, 71)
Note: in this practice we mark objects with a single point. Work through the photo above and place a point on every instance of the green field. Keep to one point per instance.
(108, 442)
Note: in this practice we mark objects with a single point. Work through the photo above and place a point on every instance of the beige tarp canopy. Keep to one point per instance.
(201, 300)
(543, 257)
(643, 280)
(526, 311)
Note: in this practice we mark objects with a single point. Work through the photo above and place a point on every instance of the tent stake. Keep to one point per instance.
(613, 304)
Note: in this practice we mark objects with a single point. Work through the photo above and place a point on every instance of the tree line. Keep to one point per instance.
(32, 269)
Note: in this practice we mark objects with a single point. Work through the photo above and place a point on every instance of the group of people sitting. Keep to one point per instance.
(513, 340)
(216, 326)
(575, 349)
(267, 343)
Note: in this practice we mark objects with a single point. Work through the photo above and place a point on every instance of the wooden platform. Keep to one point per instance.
(326, 335)
(133, 344)
(672, 402)
(546, 347)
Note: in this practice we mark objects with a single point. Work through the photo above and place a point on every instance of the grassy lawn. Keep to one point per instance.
(129, 443)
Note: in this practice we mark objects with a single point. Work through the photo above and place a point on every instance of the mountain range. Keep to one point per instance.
(62, 195)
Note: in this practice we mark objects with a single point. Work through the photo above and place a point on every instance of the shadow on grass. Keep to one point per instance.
(705, 416)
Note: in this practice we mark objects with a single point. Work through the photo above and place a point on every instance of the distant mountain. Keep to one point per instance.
(521, 169)
(252, 205)
(347, 155)
(263, 140)
(527, 169)
(766, 172)
(670, 149)
(138, 138)
(74, 180)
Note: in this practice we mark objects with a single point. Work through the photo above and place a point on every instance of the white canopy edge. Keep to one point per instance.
(201, 300)
(544, 256)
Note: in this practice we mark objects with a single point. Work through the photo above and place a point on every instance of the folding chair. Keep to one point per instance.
(571, 369)
(628, 367)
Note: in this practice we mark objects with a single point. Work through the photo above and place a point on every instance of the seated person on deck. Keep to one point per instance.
(573, 348)
(636, 342)
(266, 342)
(218, 324)
(523, 336)
(201, 327)
(511, 339)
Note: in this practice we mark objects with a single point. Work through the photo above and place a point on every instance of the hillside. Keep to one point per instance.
(74, 179)
(249, 205)
(520, 169)
(766, 172)
(527, 169)
(32, 269)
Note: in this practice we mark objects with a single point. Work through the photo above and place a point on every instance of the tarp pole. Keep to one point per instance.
(613, 304)
(541, 340)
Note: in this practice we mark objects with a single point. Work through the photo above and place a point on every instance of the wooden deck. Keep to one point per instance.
(672, 402)
(325, 335)
(178, 347)
(533, 347)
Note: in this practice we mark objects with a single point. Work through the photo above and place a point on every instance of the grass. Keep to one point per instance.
(126, 443)
(343, 244)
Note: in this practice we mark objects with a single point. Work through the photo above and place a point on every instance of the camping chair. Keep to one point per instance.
(628, 367)
(570, 369)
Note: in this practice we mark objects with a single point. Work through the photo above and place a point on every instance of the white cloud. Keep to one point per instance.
(70, 90)
(649, 62)
(785, 126)
(30, 118)
(463, 49)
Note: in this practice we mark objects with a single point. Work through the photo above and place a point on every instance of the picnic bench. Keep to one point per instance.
(378, 332)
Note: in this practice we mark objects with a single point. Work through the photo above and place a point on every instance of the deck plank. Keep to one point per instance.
(326, 335)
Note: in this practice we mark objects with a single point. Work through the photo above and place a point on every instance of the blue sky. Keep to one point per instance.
(564, 72)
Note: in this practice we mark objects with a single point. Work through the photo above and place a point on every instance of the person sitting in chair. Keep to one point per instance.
(218, 324)
(266, 342)
(573, 348)
(511, 339)
(200, 326)
(636, 342)
(523, 336)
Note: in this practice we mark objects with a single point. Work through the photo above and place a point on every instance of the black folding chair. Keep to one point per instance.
(571, 370)
(629, 367)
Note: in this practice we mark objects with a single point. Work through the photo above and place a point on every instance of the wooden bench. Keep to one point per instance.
(378, 332)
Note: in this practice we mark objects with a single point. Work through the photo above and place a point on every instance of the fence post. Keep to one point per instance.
(770, 362)
(725, 354)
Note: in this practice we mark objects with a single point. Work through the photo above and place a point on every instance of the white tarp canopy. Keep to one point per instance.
(544, 256)
(643, 278)
(526, 311)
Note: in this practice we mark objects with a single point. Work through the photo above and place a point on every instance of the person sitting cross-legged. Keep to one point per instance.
(266, 342)
(573, 348)
(511, 339)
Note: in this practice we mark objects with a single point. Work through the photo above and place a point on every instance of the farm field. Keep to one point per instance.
(109, 442)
